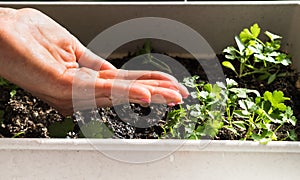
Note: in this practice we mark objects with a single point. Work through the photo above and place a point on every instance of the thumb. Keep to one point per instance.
(88, 59)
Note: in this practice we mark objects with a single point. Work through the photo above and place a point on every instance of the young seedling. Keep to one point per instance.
(262, 60)
(242, 111)
(197, 120)
(152, 60)
(5, 83)
(266, 115)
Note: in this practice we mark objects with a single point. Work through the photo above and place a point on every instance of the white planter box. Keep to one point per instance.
(176, 159)
(217, 22)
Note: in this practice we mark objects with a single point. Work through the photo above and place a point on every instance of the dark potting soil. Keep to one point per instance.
(24, 115)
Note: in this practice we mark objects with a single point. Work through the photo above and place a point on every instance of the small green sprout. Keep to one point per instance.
(263, 60)
(152, 60)
(243, 112)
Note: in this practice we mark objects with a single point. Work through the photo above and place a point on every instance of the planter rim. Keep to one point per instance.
(148, 145)
(154, 3)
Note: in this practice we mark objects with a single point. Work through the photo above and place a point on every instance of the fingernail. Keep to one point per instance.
(145, 100)
(145, 105)
(171, 104)
(186, 96)
(180, 103)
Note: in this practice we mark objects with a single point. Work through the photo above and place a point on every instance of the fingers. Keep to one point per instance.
(168, 85)
(136, 75)
(106, 92)
(151, 78)
(88, 59)
(120, 91)
(116, 92)
(165, 96)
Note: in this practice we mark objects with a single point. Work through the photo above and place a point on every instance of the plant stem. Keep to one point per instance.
(158, 63)
(250, 129)
(278, 128)
(262, 43)
(242, 66)
(18, 134)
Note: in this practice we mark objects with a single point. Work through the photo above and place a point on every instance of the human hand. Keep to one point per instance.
(42, 57)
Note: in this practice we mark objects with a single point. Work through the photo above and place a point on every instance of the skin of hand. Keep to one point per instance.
(39, 55)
